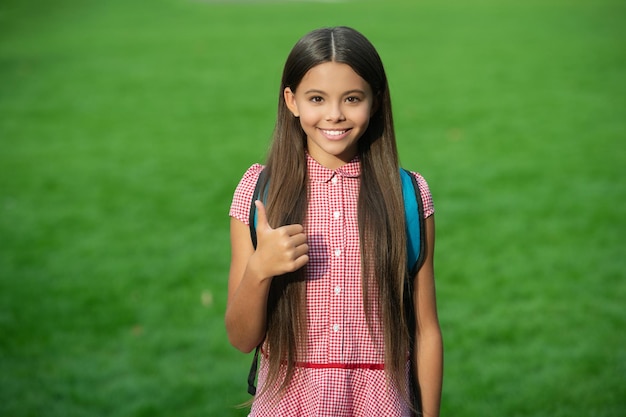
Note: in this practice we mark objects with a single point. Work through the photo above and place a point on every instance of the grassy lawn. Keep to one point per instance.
(126, 125)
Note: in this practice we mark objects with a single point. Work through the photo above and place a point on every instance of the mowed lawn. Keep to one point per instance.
(126, 125)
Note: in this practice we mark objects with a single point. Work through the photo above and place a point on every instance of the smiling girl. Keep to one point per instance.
(322, 291)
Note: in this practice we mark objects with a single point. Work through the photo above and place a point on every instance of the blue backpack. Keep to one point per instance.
(415, 245)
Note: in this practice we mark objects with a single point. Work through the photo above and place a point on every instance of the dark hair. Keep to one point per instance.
(380, 208)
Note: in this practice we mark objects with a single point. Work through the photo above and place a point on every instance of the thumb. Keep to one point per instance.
(261, 215)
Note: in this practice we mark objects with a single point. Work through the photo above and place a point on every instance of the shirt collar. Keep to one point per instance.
(319, 173)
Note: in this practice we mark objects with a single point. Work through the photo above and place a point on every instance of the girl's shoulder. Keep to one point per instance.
(242, 198)
(252, 174)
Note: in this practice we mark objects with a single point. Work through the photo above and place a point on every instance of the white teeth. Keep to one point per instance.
(334, 132)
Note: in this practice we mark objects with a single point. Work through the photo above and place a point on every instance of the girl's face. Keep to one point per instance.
(334, 105)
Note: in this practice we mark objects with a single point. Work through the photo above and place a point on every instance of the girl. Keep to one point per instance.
(323, 289)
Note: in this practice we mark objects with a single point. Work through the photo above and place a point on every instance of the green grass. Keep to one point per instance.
(125, 126)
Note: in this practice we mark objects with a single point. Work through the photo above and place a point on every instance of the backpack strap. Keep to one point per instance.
(253, 369)
(414, 218)
(416, 252)
(260, 183)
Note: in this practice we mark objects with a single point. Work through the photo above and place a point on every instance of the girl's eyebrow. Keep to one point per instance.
(356, 90)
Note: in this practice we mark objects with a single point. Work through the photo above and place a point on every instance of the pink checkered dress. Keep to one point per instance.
(344, 371)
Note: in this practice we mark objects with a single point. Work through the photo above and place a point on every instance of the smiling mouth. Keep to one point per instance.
(334, 133)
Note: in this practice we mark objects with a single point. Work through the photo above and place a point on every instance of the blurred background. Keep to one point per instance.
(126, 125)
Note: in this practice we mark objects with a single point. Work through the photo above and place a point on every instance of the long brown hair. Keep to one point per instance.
(380, 209)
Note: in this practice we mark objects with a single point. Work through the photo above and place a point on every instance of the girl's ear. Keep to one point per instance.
(290, 101)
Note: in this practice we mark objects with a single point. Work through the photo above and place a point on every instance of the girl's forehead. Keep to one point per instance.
(333, 75)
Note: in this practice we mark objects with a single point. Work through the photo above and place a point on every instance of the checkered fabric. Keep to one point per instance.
(343, 373)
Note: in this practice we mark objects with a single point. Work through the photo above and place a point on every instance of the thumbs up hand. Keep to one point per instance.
(279, 250)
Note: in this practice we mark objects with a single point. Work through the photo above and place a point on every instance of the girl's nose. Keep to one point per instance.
(335, 114)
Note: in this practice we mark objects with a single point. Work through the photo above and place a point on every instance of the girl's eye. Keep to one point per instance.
(353, 99)
(316, 99)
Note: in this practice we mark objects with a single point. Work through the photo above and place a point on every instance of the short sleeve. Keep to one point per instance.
(242, 198)
(427, 198)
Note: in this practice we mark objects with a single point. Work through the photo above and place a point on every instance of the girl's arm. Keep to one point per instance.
(429, 345)
(278, 251)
